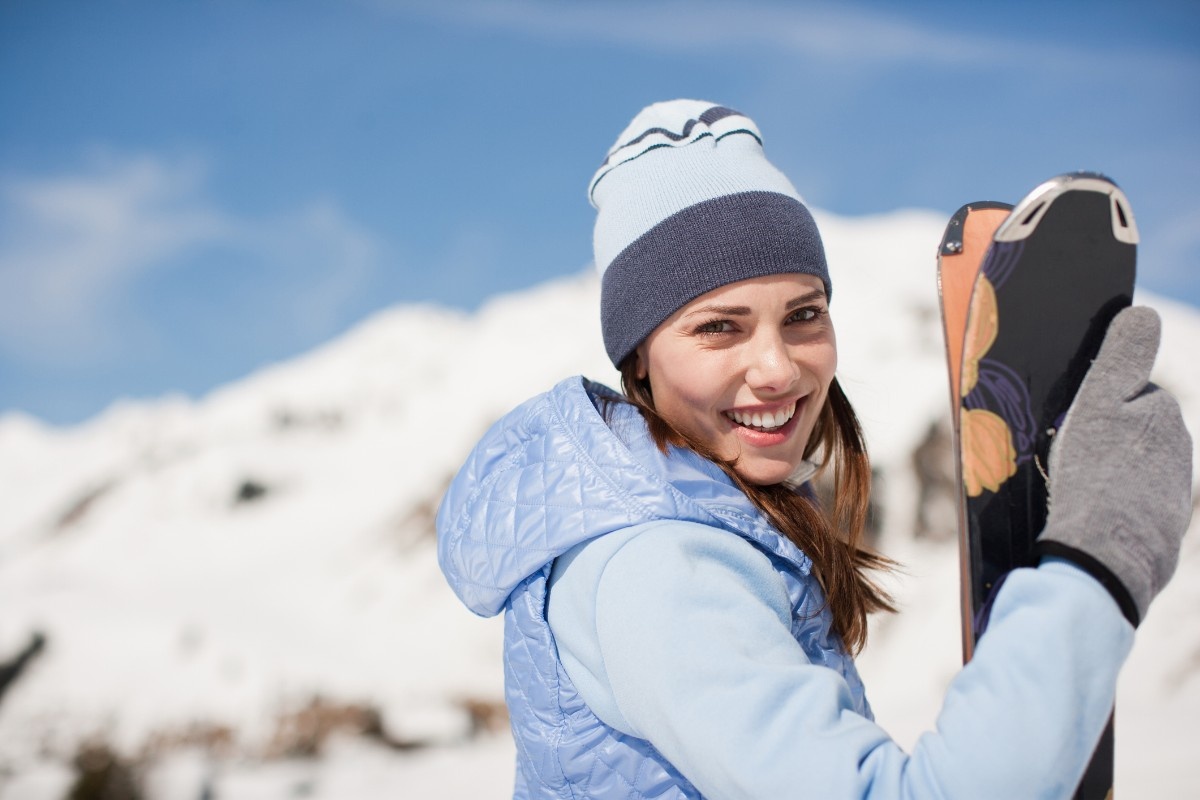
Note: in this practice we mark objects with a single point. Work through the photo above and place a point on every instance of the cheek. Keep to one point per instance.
(833, 355)
(687, 398)
(677, 388)
(823, 361)
(831, 364)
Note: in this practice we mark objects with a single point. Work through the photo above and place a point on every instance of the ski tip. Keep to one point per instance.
(952, 239)
(1084, 175)
(1029, 212)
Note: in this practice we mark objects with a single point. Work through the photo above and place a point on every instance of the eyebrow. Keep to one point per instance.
(744, 311)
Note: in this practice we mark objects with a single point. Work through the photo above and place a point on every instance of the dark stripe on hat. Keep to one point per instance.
(714, 114)
(717, 113)
(702, 247)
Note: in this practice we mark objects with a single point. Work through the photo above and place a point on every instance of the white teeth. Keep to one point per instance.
(766, 421)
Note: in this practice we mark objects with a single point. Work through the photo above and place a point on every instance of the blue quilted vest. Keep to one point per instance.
(553, 473)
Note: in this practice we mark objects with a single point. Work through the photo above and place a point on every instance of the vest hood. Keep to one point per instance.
(567, 466)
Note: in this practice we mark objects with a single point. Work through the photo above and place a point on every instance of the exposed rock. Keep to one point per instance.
(103, 775)
(418, 523)
(11, 670)
(303, 733)
(933, 467)
(250, 491)
(488, 716)
(76, 511)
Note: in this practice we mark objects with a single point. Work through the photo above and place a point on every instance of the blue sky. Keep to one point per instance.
(189, 191)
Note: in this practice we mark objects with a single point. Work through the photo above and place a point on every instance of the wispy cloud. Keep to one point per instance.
(841, 32)
(827, 31)
(73, 244)
(328, 256)
(74, 250)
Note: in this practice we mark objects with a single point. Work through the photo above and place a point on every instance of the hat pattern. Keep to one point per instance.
(686, 203)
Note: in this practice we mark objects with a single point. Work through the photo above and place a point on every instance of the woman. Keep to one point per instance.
(681, 617)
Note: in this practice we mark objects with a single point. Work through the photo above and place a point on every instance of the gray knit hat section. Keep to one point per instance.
(687, 203)
(692, 252)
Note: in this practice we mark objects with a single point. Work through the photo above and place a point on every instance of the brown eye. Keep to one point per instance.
(806, 314)
(715, 326)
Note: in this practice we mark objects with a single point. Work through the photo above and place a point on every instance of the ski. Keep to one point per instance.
(960, 255)
(1058, 268)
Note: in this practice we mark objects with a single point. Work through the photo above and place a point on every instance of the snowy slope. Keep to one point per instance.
(203, 570)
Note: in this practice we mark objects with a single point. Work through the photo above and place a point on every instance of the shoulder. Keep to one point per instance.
(669, 565)
(662, 547)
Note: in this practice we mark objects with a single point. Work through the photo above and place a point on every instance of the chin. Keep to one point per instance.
(766, 474)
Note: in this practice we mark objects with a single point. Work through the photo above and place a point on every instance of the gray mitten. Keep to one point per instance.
(1121, 471)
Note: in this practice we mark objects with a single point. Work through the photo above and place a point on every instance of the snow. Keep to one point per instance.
(205, 571)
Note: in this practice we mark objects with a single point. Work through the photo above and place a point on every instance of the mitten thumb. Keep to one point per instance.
(1122, 368)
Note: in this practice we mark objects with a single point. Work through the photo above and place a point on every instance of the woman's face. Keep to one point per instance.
(745, 369)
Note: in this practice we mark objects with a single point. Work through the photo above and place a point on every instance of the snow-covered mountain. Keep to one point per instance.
(240, 594)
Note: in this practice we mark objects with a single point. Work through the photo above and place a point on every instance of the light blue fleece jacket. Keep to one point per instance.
(671, 667)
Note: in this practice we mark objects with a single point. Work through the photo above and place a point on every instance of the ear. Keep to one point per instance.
(641, 370)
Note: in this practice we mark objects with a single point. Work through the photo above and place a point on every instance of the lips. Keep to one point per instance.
(763, 420)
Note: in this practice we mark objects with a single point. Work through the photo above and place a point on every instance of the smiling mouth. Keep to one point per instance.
(763, 421)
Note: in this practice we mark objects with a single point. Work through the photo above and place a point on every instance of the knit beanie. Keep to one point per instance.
(686, 203)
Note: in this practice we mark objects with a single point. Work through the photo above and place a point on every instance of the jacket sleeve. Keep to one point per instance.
(680, 634)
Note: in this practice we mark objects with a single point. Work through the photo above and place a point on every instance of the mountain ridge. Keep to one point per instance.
(223, 561)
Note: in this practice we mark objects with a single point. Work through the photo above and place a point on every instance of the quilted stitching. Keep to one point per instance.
(549, 475)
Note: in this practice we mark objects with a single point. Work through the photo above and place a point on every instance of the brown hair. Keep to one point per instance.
(831, 538)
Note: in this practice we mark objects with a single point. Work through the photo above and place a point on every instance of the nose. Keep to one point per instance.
(770, 367)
